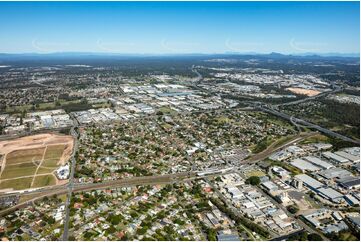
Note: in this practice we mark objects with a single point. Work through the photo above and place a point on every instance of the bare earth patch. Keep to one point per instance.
(303, 91)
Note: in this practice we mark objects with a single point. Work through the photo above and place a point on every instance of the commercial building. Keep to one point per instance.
(317, 217)
(353, 150)
(281, 172)
(349, 182)
(295, 150)
(335, 172)
(235, 192)
(280, 155)
(318, 162)
(310, 182)
(335, 158)
(227, 235)
(348, 156)
(330, 194)
(63, 172)
(304, 165)
(269, 186)
(322, 146)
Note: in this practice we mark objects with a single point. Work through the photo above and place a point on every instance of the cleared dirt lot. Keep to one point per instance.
(302, 91)
(31, 161)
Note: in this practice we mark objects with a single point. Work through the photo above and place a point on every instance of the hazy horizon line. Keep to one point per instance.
(188, 53)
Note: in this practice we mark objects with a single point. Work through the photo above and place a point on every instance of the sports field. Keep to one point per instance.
(31, 161)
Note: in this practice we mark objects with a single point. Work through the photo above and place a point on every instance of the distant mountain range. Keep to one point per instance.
(96, 55)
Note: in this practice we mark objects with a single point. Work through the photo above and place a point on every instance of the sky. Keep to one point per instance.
(180, 27)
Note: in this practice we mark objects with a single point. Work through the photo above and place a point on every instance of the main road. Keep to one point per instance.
(80, 187)
(307, 124)
(70, 186)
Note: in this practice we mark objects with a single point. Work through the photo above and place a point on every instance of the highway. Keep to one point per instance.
(308, 124)
(199, 76)
(274, 147)
(72, 187)
(337, 89)
(296, 121)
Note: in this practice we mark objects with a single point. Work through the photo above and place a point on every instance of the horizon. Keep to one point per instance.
(178, 28)
(85, 53)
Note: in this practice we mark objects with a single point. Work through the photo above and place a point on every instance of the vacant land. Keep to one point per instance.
(16, 184)
(255, 173)
(31, 161)
(303, 91)
(24, 155)
(18, 170)
(46, 180)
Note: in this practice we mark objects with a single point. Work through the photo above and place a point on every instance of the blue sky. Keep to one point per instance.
(180, 27)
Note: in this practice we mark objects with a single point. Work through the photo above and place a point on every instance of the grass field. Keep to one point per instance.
(42, 181)
(16, 184)
(50, 163)
(54, 151)
(43, 170)
(24, 156)
(33, 166)
(255, 173)
(18, 170)
(167, 110)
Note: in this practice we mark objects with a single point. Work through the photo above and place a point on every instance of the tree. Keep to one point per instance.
(293, 209)
(253, 180)
(57, 103)
(302, 236)
(314, 237)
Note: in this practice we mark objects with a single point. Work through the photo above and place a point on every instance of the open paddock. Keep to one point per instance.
(16, 184)
(45, 180)
(24, 156)
(31, 161)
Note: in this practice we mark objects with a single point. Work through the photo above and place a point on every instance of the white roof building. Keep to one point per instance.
(304, 165)
(318, 162)
(334, 157)
(309, 181)
(330, 194)
(348, 156)
(63, 172)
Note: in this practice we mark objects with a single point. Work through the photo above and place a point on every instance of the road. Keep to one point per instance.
(273, 147)
(308, 124)
(199, 76)
(169, 178)
(230, 205)
(70, 186)
(127, 182)
(296, 121)
(39, 83)
(337, 89)
(299, 221)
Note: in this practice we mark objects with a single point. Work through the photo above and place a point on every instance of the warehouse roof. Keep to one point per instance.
(348, 156)
(330, 193)
(318, 162)
(352, 150)
(304, 165)
(335, 172)
(348, 182)
(309, 181)
(334, 157)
